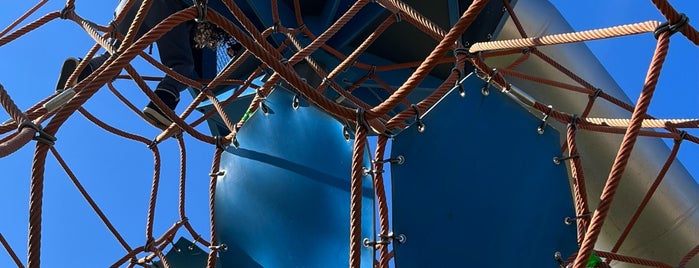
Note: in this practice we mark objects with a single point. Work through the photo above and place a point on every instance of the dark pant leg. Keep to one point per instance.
(175, 46)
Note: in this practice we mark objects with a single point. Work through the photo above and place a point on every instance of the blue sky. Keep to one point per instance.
(118, 172)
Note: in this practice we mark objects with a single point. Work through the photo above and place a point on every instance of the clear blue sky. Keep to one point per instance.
(118, 172)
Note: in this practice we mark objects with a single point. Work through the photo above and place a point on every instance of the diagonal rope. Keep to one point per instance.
(624, 152)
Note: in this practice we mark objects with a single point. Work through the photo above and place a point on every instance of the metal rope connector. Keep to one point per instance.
(399, 160)
(201, 10)
(418, 119)
(459, 82)
(217, 174)
(41, 135)
(295, 102)
(571, 220)
(385, 239)
(671, 28)
(346, 133)
(543, 124)
(486, 87)
(219, 248)
(558, 160)
(361, 118)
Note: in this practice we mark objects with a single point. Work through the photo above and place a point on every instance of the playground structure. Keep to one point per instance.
(346, 74)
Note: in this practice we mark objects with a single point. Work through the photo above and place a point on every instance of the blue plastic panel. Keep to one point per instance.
(284, 200)
(479, 188)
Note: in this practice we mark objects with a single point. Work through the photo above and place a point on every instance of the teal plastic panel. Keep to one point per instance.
(284, 199)
(479, 188)
(185, 254)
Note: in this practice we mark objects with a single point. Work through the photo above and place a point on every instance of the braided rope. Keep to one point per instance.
(624, 153)
(616, 31)
(649, 194)
(211, 260)
(131, 47)
(579, 187)
(646, 123)
(355, 232)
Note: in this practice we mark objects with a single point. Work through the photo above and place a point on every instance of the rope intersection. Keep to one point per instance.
(393, 113)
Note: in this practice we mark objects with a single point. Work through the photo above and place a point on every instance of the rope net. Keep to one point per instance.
(53, 111)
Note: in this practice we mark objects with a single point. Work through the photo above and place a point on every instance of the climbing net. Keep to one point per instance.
(26, 125)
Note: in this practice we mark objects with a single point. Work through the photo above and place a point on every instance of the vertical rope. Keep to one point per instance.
(153, 197)
(579, 188)
(183, 178)
(36, 198)
(211, 260)
(381, 197)
(624, 153)
(360, 142)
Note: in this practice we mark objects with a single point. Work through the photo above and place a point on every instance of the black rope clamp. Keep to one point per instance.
(41, 135)
(66, 11)
(682, 135)
(540, 129)
(398, 16)
(201, 10)
(216, 174)
(150, 245)
(153, 144)
(218, 141)
(361, 118)
(418, 119)
(595, 94)
(671, 28)
(573, 121)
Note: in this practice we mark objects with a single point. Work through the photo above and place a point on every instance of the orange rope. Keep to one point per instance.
(616, 31)
(624, 152)
(360, 141)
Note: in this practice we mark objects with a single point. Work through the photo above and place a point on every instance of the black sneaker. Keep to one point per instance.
(156, 117)
(69, 66)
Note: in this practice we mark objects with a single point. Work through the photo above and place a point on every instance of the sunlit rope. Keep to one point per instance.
(26, 124)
